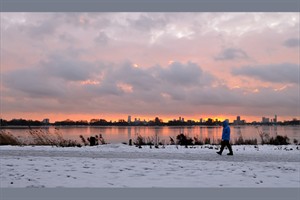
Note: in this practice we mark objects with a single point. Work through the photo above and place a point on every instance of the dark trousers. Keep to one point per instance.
(227, 144)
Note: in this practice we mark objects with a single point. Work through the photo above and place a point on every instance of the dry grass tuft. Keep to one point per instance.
(7, 138)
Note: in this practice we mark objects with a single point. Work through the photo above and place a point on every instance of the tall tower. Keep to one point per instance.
(129, 119)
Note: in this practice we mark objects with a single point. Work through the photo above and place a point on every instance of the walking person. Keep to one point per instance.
(225, 139)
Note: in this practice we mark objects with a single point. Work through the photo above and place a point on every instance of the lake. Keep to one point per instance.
(119, 134)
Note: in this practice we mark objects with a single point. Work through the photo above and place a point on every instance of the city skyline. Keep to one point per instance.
(238, 120)
(209, 65)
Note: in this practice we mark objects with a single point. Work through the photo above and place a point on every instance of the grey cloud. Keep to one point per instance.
(181, 74)
(146, 96)
(75, 19)
(270, 98)
(45, 28)
(106, 88)
(140, 79)
(238, 101)
(232, 54)
(149, 83)
(279, 73)
(41, 25)
(177, 94)
(146, 22)
(292, 42)
(68, 69)
(102, 38)
(67, 38)
(33, 83)
(52, 77)
(218, 96)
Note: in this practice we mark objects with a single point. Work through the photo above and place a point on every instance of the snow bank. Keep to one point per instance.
(118, 165)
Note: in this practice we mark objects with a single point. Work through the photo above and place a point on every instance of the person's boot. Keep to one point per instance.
(230, 150)
(219, 152)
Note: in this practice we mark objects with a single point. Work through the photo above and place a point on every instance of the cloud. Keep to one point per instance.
(148, 84)
(181, 74)
(69, 69)
(152, 92)
(33, 83)
(57, 61)
(40, 27)
(292, 42)
(232, 54)
(146, 22)
(102, 38)
(53, 77)
(77, 81)
(276, 73)
(265, 101)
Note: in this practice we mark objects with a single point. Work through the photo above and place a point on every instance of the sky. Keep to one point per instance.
(111, 65)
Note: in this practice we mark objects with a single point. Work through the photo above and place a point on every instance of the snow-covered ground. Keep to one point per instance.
(118, 165)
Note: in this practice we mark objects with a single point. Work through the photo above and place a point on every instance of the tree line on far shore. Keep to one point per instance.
(121, 122)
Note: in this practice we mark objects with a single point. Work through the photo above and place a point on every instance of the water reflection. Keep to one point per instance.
(123, 134)
(156, 135)
(266, 129)
(129, 133)
(275, 130)
(201, 134)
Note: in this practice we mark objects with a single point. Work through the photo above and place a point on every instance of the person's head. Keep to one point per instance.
(225, 123)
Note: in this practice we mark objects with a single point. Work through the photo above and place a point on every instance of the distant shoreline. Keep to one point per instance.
(84, 126)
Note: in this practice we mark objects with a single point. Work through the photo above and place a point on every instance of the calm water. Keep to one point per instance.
(115, 134)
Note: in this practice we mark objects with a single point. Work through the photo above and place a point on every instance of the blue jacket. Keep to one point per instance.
(226, 131)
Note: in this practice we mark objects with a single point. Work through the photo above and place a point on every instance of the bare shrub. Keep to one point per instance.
(183, 139)
(45, 138)
(140, 140)
(279, 140)
(101, 140)
(85, 143)
(265, 137)
(241, 141)
(198, 141)
(172, 142)
(207, 141)
(150, 141)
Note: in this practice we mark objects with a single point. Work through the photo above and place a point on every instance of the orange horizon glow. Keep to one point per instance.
(113, 118)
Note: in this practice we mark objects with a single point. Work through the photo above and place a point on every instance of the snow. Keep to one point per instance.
(119, 165)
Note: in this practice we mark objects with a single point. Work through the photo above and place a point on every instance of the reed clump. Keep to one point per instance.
(7, 138)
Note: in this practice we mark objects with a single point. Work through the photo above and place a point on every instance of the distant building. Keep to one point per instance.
(209, 121)
(275, 119)
(137, 121)
(238, 121)
(265, 120)
(129, 119)
(46, 121)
